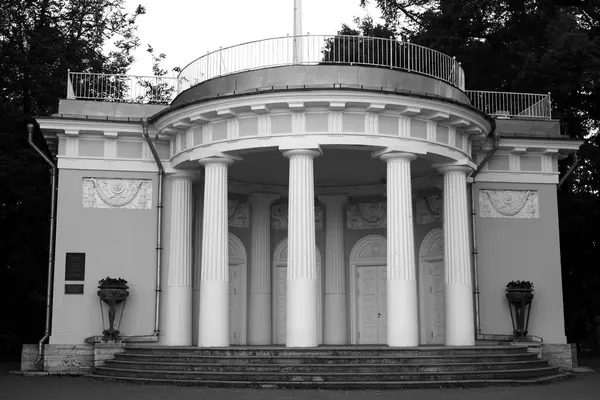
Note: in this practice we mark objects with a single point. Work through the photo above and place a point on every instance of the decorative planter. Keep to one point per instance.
(112, 294)
(519, 303)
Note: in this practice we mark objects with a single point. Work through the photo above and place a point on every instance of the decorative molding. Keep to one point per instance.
(237, 213)
(366, 215)
(429, 209)
(133, 194)
(279, 217)
(508, 204)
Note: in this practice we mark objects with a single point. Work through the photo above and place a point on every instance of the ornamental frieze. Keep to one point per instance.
(279, 217)
(508, 204)
(237, 213)
(366, 215)
(133, 194)
(428, 209)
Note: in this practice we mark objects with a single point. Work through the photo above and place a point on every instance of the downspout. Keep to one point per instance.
(475, 253)
(569, 171)
(159, 207)
(53, 179)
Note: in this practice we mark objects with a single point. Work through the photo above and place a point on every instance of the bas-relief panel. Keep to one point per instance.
(237, 213)
(279, 217)
(366, 215)
(428, 209)
(117, 193)
(523, 204)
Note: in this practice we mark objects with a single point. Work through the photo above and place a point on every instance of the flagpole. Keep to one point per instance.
(297, 31)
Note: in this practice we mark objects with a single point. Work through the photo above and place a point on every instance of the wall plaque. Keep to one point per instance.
(75, 267)
(73, 288)
(522, 204)
(133, 194)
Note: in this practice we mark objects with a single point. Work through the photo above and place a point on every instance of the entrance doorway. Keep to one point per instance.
(432, 287)
(237, 291)
(280, 257)
(368, 291)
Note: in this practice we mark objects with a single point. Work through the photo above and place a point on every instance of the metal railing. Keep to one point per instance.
(121, 88)
(322, 49)
(512, 105)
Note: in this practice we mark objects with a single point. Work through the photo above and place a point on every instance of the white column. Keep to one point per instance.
(458, 295)
(335, 268)
(178, 307)
(402, 303)
(301, 307)
(197, 257)
(214, 276)
(259, 325)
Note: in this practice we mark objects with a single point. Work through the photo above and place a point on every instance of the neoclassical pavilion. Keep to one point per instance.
(306, 202)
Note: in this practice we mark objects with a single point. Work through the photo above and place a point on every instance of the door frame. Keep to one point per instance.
(370, 251)
(431, 249)
(280, 259)
(238, 257)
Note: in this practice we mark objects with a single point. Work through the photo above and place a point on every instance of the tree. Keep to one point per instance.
(533, 46)
(39, 41)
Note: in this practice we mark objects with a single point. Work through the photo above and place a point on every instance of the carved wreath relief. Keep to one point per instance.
(366, 215)
(508, 204)
(279, 217)
(133, 194)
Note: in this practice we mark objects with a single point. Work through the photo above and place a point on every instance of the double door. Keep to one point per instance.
(372, 305)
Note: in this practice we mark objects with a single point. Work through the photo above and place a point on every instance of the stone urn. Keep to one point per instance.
(112, 292)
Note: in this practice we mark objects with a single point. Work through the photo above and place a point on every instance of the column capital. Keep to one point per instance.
(398, 155)
(218, 160)
(312, 153)
(466, 168)
(333, 199)
(184, 175)
(267, 198)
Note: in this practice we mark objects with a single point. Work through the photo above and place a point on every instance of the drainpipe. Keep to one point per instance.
(53, 180)
(476, 292)
(159, 207)
(569, 171)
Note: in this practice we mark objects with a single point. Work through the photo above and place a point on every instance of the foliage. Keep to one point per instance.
(39, 41)
(112, 281)
(157, 90)
(520, 285)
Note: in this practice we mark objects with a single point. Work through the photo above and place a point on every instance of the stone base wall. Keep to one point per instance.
(68, 359)
(560, 355)
(28, 358)
(106, 351)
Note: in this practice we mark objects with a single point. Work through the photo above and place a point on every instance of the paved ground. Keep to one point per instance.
(581, 387)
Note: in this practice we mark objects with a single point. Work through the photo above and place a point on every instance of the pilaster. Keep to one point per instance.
(259, 332)
(335, 277)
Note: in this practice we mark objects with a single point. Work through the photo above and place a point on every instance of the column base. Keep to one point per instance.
(213, 327)
(259, 326)
(459, 318)
(301, 324)
(335, 319)
(402, 318)
(178, 321)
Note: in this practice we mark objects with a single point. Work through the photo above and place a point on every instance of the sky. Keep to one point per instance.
(186, 29)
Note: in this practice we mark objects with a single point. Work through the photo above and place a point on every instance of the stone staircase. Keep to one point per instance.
(329, 367)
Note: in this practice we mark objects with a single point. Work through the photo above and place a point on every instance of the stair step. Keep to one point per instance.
(339, 385)
(295, 367)
(329, 376)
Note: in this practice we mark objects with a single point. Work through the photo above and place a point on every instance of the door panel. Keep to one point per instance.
(372, 321)
(235, 304)
(433, 298)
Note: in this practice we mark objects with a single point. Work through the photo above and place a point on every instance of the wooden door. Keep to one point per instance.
(372, 305)
(235, 304)
(433, 297)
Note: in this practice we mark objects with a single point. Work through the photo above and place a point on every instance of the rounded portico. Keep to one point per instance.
(322, 157)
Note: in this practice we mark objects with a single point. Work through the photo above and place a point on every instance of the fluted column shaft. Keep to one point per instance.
(259, 329)
(301, 307)
(458, 294)
(214, 276)
(335, 276)
(178, 308)
(197, 258)
(402, 302)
